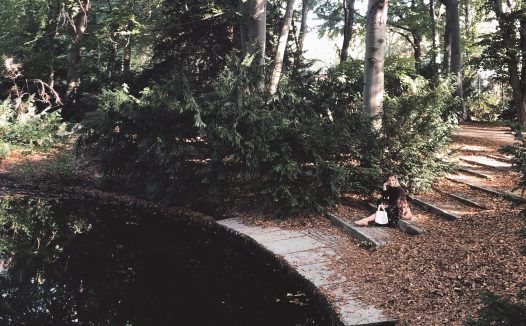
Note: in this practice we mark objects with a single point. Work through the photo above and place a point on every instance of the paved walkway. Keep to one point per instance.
(310, 252)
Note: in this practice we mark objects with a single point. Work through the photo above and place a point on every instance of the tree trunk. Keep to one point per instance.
(303, 28)
(257, 37)
(78, 29)
(521, 108)
(373, 86)
(447, 41)
(348, 9)
(518, 87)
(51, 33)
(243, 27)
(126, 58)
(433, 31)
(456, 53)
(417, 47)
(281, 47)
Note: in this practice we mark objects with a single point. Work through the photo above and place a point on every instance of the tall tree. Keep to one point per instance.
(453, 53)
(305, 8)
(410, 19)
(507, 49)
(373, 86)
(281, 46)
(78, 20)
(348, 9)
(256, 40)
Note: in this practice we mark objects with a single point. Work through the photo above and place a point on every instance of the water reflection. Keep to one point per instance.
(78, 263)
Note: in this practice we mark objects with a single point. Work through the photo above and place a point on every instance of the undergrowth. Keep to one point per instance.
(294, 152)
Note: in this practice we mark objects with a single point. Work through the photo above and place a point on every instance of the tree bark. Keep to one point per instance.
(281, 47)
(303, 28)
(373, 87)
(456, 51)
(126, 58)
(348, 9)
(417, 48)
(243, 26)
(521, 108)
(78, 25)
(257, 37)
(507, 28)
(446, 63)
(433, 31)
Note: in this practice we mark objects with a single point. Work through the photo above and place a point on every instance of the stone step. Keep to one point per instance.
(486, 162)
(433, 208)
(493, 191)
(371, 236)
(463, 199)
(505, 159)
(471, 171)
(311, 254)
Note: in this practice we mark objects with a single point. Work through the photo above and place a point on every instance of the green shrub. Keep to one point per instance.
(295, 151)
(149, 144)
(298, 150)
(29, 129)
(518, 151)
(416, 128)
(499, 311)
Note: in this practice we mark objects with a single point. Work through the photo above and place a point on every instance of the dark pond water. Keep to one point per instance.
(78, 263)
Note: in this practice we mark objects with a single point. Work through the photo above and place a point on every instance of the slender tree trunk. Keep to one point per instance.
(521, 108)
(126, 58)
(417, 48)
(78, 28)
(447, 41)
(281, 47)
(51, 33)
(456, 51)
(243, 26)
(257, 37)
(303, 28)
(508, 31)
(433, 31)
(348, 9)
(373, 87)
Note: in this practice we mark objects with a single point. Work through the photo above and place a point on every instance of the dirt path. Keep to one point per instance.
(494, 136)
(437, 278)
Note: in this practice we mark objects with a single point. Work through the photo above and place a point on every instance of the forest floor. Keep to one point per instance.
(431, 279)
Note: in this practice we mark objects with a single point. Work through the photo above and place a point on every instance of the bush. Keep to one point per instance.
(294, 150)
(149, 144)
(29, 129)
(416, 128)
(518, 151)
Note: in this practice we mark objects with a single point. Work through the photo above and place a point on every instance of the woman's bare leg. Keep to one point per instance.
(365, 221)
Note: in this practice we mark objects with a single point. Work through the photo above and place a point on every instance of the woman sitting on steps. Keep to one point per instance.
(393, 201)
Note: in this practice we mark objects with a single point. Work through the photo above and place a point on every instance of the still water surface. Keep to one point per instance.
(79, 263)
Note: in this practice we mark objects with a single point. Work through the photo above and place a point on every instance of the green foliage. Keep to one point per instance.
(147, 143)
(288, 147)
(28, 129)
(417, 127)
(518, 151)
(397, 72)
(296, 151)
(342, 86)
(499, 311)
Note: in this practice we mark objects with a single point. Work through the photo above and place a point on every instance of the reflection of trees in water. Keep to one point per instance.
(75, 262)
